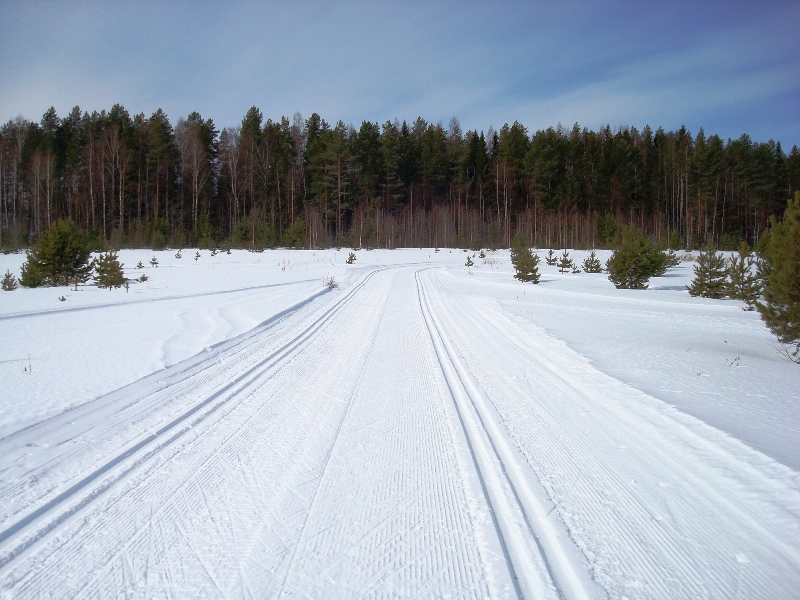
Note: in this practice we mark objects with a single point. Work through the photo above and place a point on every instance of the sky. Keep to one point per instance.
(726, 66)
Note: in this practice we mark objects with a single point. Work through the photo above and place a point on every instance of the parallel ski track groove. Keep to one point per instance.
(503, 522)
(556, 550)
(543, 440)
(241, 381)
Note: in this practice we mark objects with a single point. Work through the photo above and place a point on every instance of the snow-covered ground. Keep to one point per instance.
(233, 428)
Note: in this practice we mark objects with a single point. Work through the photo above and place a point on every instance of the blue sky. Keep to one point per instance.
(729, 67)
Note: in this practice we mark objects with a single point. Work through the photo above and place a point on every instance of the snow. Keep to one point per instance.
(233, 428)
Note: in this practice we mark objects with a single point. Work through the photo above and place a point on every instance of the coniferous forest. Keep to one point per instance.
(134, 180)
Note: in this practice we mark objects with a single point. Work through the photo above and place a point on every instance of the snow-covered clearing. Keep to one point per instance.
(232, 428)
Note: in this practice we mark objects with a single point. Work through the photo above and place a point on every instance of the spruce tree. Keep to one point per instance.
(592, 264)
(710, 276)
(9, 283)
(108, 271)
(527, 267)
(743, 280)
(351, 258)
(781, 307)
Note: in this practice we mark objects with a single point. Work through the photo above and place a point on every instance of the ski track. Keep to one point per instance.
(679, 491)
(198, 379)
(393, 438)
(351, 483)
(401, 520)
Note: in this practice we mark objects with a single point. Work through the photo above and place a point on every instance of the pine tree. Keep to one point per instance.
(710, 276)
(634, 261)
(551, 258)
(61, 257)
(743, 280)
(154, 262)
(469, 262)
(564, 262)
(518, 245)
(527, 267)
(108, 271)
(592, 264)
(9, 283)
(351, 258)
(781, 307)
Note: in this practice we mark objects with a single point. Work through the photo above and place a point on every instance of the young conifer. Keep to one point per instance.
(710, 276)
(743, 280)
(781, 307)
(592, 264)
(518, 245)
(9, 283)
(564, 262)
(634, 261)
(527, 267)
(551, 258)
(61, 257)
(108, 271)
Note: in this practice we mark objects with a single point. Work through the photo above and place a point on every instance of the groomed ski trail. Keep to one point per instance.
(663, 505)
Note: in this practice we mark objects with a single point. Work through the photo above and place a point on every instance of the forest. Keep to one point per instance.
(138, 181)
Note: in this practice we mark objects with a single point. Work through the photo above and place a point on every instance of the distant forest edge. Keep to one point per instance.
(135, 181)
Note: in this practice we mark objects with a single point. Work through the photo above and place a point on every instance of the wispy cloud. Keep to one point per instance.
(540, 63)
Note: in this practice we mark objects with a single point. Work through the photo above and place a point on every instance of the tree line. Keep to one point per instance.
(138, 181)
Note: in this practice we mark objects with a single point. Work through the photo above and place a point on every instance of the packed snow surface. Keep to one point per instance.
(234, 428)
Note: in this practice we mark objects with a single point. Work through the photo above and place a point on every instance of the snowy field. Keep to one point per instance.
(232, 428)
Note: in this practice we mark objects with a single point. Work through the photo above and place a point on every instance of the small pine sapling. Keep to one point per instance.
(671, 259)
(351, 258)
(527, 267)
(178, 255)
(551, 258)
(143, 277)
(710, 276)
(482, 254)
(469, 262)
(154, 262)
(139, 265)
(743, 281)
(9, 283)
(592, 264)
(108, 271)
(564, 262)
(197, 255)
(518, 245)
(214, 252)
